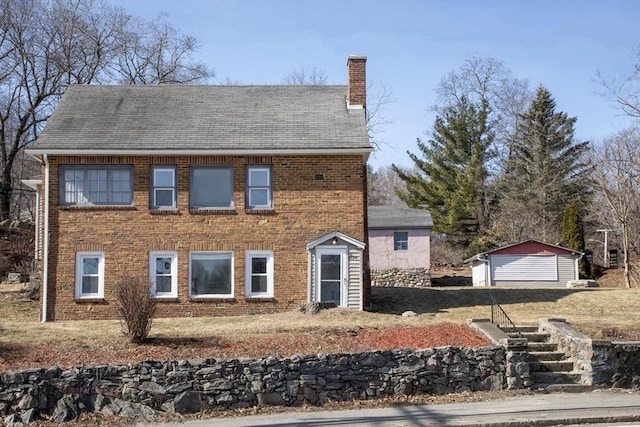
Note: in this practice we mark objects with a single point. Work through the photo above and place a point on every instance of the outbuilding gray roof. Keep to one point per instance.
(396, 217)
(196, 118)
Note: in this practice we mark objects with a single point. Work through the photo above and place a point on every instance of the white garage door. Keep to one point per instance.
(524, 267)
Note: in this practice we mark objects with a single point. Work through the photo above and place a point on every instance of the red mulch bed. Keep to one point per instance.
(66, 354)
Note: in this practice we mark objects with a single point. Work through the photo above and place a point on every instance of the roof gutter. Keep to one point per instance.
(45, 246)
(36, 153)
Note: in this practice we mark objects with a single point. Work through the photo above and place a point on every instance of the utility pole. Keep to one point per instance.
(606, 246)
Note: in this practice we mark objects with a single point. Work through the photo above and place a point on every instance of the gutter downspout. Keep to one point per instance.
(45, 247)
(487, 271)
(577, 266)
(309, 279)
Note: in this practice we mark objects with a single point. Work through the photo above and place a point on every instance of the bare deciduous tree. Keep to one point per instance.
(47, 45)
(306, 76)
(155, 52)
(377, 99)
(617, 180)
(486, 81)
(626, 91)
(383, 185)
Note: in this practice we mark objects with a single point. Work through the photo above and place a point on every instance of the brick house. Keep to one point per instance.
(229, 199)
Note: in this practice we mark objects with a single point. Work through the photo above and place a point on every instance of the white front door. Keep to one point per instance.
(331, 277)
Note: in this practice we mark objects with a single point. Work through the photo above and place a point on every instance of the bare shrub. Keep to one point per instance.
(136, 307)
(16, 250)
(443, 252)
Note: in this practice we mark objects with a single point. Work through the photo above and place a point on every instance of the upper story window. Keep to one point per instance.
(211, 187)
(163, 187)
(96, 185)
(400, 240)
(258, 187)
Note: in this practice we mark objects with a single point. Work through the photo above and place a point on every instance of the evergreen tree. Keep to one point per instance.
(545, 171)
(451, 175)
(572, 233)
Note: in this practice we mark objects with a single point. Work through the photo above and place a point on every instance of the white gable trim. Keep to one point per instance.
(338, 235)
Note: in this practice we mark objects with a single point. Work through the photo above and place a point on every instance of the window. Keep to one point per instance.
(400, 240)
(211, 274)
(163, 274)
(258, 187)
(96, 185)
(89, 275)
(163, 187)
(211, 187)
(259, 274)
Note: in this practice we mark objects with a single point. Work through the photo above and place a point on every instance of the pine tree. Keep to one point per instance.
(450, 178)
(572, 233)
(545, 170)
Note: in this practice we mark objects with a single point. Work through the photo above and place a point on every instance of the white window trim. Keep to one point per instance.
(248, 274)
(268, 187)
(174, 273)
(79, 274)
(154, 187)
(228, 296)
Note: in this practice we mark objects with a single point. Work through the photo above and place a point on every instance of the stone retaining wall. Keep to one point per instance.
(154, 387)
(394, 277)
(619, 364)
(602, 363)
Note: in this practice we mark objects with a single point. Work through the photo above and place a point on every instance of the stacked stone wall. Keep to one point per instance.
(152, 388)
(401, 278)
(602, 363)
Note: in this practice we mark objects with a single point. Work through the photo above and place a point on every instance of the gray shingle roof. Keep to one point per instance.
(183, 117)
(398, 217)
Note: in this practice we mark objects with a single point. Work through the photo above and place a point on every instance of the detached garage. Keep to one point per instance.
(530, 263)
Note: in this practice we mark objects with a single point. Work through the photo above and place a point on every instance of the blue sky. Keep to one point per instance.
(411, 45)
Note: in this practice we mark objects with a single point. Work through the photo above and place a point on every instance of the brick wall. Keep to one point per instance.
(312, 196)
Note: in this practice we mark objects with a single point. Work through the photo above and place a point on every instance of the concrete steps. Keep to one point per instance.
(542, 347)
(546, 355)
(550, 365)
(549, 368)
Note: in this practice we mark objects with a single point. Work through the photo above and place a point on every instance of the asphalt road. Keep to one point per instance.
(597, 407)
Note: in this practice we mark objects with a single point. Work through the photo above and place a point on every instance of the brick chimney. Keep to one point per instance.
(357, 81)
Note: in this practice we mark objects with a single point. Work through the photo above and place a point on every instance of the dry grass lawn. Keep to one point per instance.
(596, 312)
(609, 313)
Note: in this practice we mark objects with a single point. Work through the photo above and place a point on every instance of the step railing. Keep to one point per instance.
(501, 319)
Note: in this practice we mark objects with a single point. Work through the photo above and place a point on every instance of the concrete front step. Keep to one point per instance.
(535, 337)
(527, 328)
(548, 378)
(546, 355)
(541, 346)
(550, 366)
